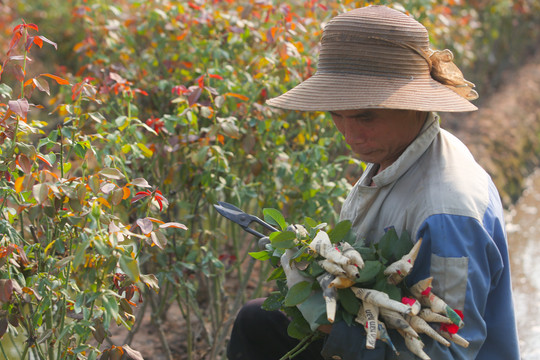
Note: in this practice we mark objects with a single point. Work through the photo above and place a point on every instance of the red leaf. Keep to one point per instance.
(32, 26)
(193, 6)
(14, 41)
(19, 107)
(58, 79)
(215, 76)
(6, 290)
(160, 203)
(140, 195)
(200, 81)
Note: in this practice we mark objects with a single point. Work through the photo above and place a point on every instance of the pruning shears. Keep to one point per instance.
(243, 219)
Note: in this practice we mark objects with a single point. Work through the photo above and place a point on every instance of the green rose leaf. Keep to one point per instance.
(298, 327)
(273, 302)
(382, 285)
(260, 255)
(403, 246)
(340, 231)
(387, 243)
(367, 253)
(310, 222)
(298, 293)
(283, 239)
(349, 301)
(274, 217)
(314, 269)
(370, 271)
(278, 273)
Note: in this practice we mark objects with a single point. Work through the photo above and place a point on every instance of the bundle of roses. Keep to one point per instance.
(360, 284)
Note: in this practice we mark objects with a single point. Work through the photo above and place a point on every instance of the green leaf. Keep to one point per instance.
(298, 293)
(310, 222)
(260, 255)
(382, 285)
(278, 273)
(5, 91)
(111, 308)
(151, 281)
(274, 217)
(314, 269)
(339, 232)
(283, 239)
(370, 271)
(97, 117)
(386, 244)
(367, 253)
(80, 149)
(348, 318)
(130, 266)
(403, 246)
(145, 150)
(273, 302)
(298, 327)
(349, 301)
(112, 173)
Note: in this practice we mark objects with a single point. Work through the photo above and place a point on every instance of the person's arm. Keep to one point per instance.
(469, 263)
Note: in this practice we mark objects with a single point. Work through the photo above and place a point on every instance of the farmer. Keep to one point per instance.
(382, 84)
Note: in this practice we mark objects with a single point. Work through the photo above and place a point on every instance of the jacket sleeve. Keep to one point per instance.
(468, 260)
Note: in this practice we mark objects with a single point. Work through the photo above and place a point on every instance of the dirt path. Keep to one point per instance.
(504, 134)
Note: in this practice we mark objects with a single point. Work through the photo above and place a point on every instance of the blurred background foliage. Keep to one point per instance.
(182, 88)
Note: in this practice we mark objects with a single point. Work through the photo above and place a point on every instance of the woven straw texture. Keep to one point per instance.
(373, 57)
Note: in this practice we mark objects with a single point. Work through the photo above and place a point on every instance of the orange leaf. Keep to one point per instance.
(127, 192)
(38, 41)
(19, 184)
(221, 139)
(155, 220)
(50, 173)
(104, 202)
(239, 96)
(58, 79)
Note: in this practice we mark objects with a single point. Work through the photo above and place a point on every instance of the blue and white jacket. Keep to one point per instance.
(436, 191)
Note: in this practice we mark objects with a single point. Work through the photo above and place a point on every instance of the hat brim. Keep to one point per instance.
(332, 92)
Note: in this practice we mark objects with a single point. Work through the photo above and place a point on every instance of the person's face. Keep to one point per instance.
(379, 135)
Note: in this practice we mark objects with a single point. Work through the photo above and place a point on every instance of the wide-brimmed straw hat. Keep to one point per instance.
(378, 57)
